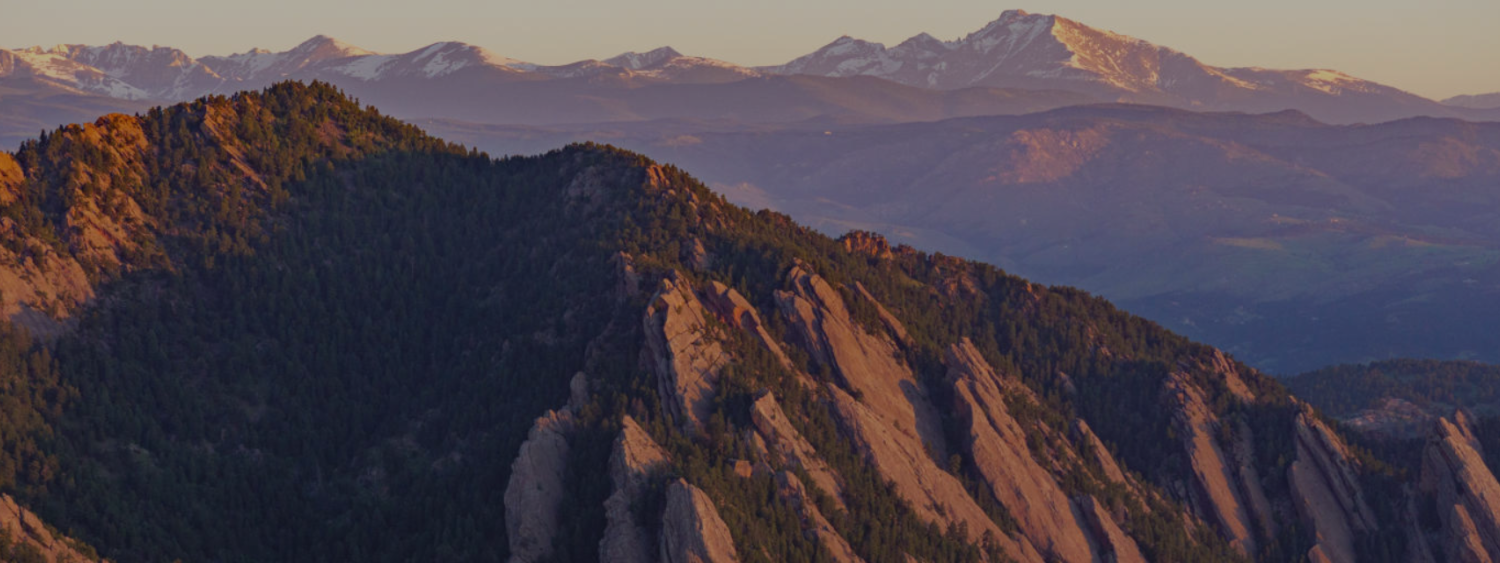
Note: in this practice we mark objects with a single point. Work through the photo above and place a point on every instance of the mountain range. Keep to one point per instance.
(1291, 243)
(1016, 64)
(1035, 51)
(1476, 101)
(280, 326)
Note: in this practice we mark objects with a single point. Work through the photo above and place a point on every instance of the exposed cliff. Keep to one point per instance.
(787, 447)
(635, 463)
(27, 538)
(998, 447)
(686, 353)
(691, 530)
(1325, 483)
(1463, 492)
(537, 487)
(1216, 488)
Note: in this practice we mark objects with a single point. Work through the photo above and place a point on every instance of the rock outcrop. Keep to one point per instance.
(1099, 452)
(534, 494)
(685, 355)
(1215, 491)
(1463, 491)
(814, 525)
(788, 448)
(884, 410)
(1325, 487)
(732, 308)
(28, 535)
(635, 462)
(1116, 545)
(691, 529)
(866, 364)
(536, 489)
(997, 444)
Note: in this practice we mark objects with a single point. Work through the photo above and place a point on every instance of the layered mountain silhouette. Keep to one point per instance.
(1035, 51)
(1291, 243)
(458, 81)
(1475, 101)
(284, 327)
(1018, 63)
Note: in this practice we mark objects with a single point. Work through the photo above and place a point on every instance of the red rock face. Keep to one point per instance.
(24, 528)
(1324, 481)
(998, 446)
(691, 529)
(635, 462)
(1217, 485)
(1464, 492)
(687, 355)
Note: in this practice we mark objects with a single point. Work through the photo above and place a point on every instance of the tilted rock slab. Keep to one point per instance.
(534, 494)
(691, 529)
(1216, 487)
(685, 355)
(636, 460)
(24, 528)
(736, 311)
(1325, 488)
(892, 424)
(998, 446)
(536, 488)
(1116, 542)
(866, 364)
(1467, 495)
(790, 449)
(794, 493)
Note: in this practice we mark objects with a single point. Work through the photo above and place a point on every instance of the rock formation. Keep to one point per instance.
(866, 364)
(1215, 490)
(685, 355)
(635, 462)
(794, 493)
(884, 410)
(1112, 539)
(27, 534)
(1463, 491)
(1100, 453)
(691, 530)
(536, 488)
(997, 444)
(732, 308)
(788, 447)
(1325, 487)
(534, 495)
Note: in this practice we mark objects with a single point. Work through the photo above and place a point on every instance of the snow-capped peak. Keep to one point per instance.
(925, 41)
(322, 47)
(641, 61)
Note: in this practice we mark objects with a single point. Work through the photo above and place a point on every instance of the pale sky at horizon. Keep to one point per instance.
(1437, 48)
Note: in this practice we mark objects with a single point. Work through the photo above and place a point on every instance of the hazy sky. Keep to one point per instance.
(1436, 48)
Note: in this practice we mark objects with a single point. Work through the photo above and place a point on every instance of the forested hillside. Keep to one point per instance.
(278, 326)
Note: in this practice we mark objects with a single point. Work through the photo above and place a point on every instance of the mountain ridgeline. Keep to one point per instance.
(281, 327)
